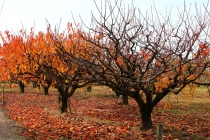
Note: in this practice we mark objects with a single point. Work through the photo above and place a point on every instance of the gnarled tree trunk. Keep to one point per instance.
(46, 90)
(124, 97)
(125, 100)
(64, 95)
(145, 111)
(63, 102)
(34, 84)
(22, 87)
(146, 119)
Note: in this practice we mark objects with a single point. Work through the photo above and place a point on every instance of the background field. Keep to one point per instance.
(97, 115)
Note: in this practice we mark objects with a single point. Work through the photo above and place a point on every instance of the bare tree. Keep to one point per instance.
(146, 57)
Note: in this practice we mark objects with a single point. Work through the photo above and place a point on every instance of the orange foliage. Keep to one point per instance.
(184, 68)
(161, 83)
(119, 61)
(13, 55)
(204, 50)
(158, 63)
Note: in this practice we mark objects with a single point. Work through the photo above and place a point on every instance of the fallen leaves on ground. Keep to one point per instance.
(39, 117)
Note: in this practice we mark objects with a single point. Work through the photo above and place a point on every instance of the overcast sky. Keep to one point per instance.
(26, 13)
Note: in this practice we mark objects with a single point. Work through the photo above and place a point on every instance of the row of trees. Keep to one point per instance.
(137, 56)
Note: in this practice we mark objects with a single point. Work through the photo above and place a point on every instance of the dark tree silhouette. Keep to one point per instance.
(146, 57)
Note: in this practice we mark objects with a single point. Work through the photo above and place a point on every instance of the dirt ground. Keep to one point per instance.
(7, 129)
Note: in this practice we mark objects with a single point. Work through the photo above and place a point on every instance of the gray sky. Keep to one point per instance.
(30, 12)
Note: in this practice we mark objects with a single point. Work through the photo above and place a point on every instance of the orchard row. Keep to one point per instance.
(137, 57)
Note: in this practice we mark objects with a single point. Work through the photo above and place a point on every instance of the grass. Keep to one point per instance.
(101, 121)
(199, 105)
(183, 135)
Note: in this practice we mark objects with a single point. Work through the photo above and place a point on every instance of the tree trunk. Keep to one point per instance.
(10, 85)
(22, 87)
(63, 103)
(145, 111)
(208, 90)
(89, 88)
(34, 84)
(46, 89)
(146, 119)
(125, 99)
(65, 94)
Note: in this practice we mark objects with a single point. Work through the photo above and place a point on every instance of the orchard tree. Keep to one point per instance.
(40, 53)
(146, 57)
(18, 59)
(53, 65)
(14, 59)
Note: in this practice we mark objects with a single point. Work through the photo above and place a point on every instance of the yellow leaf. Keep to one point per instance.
(165, 79)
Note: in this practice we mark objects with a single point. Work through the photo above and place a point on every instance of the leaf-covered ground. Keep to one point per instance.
(101, 118)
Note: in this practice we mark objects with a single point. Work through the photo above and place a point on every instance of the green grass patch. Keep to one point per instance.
(182, 135)
(101, 121)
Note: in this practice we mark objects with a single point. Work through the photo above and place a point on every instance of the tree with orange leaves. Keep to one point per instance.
(51, 62)
(19, 60)
(41, 52)
(42, 58)
(14, 60)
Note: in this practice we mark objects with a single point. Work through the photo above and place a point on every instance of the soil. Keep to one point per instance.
(8, 131)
